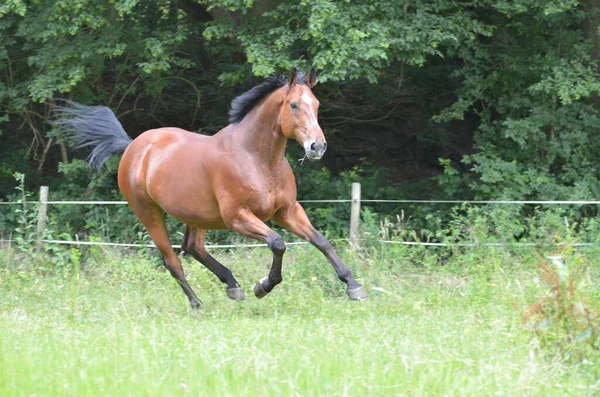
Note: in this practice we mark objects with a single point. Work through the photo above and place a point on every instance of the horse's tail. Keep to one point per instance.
(96, 127)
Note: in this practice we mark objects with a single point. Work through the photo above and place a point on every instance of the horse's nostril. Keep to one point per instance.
(325, 146)
(312, 146)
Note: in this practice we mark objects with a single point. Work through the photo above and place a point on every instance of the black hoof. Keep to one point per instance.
(237, 294)
(196, 305)
(357, 294)
(259, 292)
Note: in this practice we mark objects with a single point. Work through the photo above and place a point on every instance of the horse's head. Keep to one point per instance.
(298, 115)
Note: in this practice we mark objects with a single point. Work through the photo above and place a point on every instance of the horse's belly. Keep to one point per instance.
(202, 222)
(200, 212)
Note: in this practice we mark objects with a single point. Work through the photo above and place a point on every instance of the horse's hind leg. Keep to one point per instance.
(193, 243)
(153, 219)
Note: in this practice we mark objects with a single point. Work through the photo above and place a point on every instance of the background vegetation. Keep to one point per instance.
(431, 99)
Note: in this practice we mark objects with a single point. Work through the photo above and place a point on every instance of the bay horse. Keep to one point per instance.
(237, 179)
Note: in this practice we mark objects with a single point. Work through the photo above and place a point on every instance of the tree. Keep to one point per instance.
(521, 76)
(531, 85)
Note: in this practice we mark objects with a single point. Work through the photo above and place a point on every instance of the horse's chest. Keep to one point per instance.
(263, 205)
(266, 192)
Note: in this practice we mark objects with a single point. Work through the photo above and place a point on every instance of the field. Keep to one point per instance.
(120, 327)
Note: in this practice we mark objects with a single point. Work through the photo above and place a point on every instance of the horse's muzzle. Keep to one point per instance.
(315, 150)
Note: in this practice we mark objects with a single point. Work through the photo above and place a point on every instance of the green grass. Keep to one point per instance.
(122, 328)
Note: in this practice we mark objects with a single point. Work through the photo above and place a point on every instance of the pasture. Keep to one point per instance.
(120, 327)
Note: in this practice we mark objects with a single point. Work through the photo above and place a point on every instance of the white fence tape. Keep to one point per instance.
(224, 246)
(481, 244)
(410, 243)
(153, 246)
(72, 242)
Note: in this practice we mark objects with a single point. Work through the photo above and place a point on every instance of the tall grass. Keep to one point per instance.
(120, 327)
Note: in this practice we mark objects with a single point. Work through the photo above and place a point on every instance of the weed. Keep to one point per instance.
(561, 321)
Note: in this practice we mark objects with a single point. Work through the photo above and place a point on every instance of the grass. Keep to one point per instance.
(122, 328)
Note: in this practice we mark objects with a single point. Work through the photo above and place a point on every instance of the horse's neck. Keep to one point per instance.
(262, 131)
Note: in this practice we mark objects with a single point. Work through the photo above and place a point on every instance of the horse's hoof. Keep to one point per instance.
(196, 305)
(259, 291)
(357, 294)
(237, 294)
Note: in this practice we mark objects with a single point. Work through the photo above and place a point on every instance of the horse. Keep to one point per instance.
(236, 179)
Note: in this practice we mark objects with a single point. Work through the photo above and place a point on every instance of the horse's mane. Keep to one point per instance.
(244, 103)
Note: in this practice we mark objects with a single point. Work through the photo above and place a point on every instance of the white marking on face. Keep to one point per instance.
(306, 98)
(308, 101)
(312, 124)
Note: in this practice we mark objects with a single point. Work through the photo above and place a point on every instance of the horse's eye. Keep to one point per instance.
(294, 105)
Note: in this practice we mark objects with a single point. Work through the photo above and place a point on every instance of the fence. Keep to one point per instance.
(355, 204)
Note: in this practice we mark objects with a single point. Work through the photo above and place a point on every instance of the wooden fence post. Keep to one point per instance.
(42, 210)
(354, 214)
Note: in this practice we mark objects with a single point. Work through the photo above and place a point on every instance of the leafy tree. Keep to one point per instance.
(533, 85)
(345, 39)
(506, 93)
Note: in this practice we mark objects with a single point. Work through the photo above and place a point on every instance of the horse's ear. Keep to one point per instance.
(293, 76)
(312, 78)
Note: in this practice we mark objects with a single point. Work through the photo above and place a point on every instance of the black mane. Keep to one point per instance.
(244, 103)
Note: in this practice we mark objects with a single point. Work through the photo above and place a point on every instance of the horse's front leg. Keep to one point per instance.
(247, 224)
(296, 221)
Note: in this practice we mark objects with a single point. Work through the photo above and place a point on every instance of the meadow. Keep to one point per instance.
(114, 324)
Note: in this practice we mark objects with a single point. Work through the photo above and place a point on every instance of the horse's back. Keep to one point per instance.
(160, 142)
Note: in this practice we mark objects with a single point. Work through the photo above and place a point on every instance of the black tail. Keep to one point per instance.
(92, 126)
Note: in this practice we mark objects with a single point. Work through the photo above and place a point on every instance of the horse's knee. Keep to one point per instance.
(277, 246)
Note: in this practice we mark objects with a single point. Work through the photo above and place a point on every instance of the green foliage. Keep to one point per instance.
(533, 84)
(347, 40)
(70, 42)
